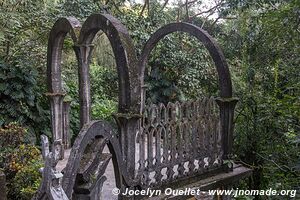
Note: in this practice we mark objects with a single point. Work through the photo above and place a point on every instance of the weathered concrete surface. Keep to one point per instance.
(62, 163)
(109, 184)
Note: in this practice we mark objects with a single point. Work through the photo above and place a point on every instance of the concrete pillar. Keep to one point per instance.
(84, 54)
(56, 102)
(226, 115)
(66, 124)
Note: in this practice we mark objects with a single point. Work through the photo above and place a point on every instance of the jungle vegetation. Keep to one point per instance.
(260, 40)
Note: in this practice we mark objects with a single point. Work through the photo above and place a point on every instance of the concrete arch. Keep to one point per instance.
(93, 131)
(60, 29)
(211, 45)
(125, 56)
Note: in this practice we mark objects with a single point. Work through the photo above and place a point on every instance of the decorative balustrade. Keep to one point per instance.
(178, 140)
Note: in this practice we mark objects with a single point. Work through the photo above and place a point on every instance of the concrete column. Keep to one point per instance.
(84, 54)
(66, 125)
(128, 125)
(227, 106)
(56, 103)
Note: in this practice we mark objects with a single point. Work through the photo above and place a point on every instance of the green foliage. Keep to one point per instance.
(263, 48)
(24, 30)
(261, 43)
(180, 68)
(168, 76)
(104, 82)
(83, 8)
(77, 8)
(104, 89)
(20, 162)
(12, 135)
(27, 180)
(103, 109)
(20, 99)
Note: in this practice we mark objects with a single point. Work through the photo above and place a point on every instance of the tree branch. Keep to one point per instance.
(187, 10)
(187, 3)
(165, 4)
(210, 11)
(144, 7)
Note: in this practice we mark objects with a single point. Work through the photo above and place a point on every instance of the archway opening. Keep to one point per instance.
(104, 97)
(181, 120)
(103, 79)
(70, 82)
(179, 68)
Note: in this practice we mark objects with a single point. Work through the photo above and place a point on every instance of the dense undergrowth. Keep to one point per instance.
(260, 40)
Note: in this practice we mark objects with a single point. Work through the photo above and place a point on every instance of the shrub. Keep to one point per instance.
(20, 162)
(12, 135)
(103, 109)
(21, 100)
(27, 180)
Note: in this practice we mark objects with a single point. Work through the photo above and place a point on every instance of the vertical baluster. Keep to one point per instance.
(165, 146)
(158, 175)
(193, 136)
(186, 146)
(188, 143)
(219, 139)
(169, 150)
(214, 132)
(197, 141)
(158, 146)
(178, 111)
(173, 147)
(205, 130)
(184, 120)
(201, 142)
(209, 132)
(172, 114)
(150, 147)
(213, 129)
(163, 120)
(153, 125)
(188, 134)
(217, 132)
(181, 149)
(141, 151)
(146, 171)
(201, 148)
(215, 124)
